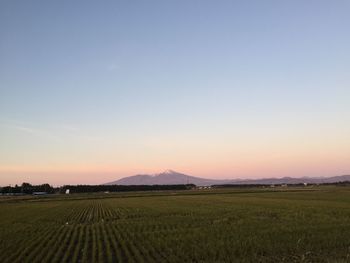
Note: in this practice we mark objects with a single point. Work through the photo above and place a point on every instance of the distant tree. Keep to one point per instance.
(27, 188)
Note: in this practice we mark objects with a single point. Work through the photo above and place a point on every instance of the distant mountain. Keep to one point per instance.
(166, 177)
(171, 177)
(292, 180)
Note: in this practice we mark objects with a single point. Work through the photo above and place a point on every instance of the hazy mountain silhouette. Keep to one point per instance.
(292, 180)
(166, 177)
(171, 177)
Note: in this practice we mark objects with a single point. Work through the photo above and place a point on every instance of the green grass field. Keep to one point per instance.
(227, 225)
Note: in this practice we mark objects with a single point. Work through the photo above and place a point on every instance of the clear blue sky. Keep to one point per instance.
(205, 87)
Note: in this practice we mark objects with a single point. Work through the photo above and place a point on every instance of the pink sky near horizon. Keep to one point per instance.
(31, 155)
(34, 157)
(240, 170)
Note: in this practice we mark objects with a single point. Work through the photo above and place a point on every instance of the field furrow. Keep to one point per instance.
(250, 227)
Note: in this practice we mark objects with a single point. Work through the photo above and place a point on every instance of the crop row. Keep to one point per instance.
(83, 232)
(220, 228)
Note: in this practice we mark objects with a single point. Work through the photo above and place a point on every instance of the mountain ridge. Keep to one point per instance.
(170, 177)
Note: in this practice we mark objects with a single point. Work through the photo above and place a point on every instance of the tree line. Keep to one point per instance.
(27, 188)
(122, 188)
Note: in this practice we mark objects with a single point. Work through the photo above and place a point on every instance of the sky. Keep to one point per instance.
(92, 91)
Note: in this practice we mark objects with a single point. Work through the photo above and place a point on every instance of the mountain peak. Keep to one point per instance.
(169, 171)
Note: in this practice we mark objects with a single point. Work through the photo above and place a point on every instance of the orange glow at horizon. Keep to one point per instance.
(220, 168)
(238, 155)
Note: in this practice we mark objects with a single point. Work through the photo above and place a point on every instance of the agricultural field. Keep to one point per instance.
(226, 225)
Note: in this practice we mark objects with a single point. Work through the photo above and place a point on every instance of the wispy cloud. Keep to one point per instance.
(74, 131)
(29, 129)
(24, 129)
(113, 67)
(68, 127)
(58, 132)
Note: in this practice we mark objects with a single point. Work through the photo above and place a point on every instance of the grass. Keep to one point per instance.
(226, 225)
